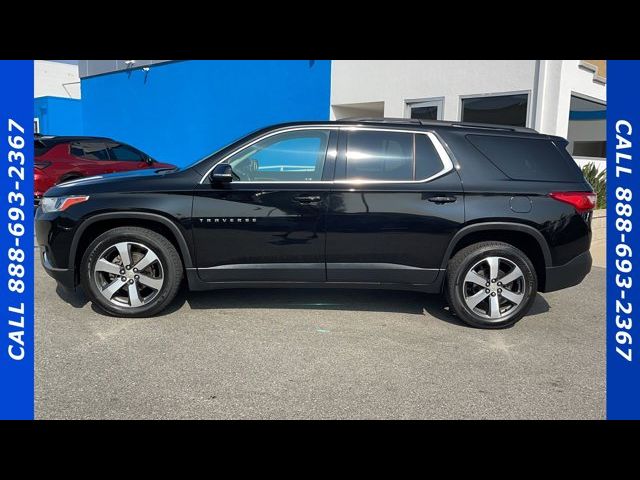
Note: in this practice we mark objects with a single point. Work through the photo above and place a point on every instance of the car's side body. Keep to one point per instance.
(333, 231)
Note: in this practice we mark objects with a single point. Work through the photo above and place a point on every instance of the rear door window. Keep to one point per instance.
(390, 156)
(428, 161)
(89, 150)
(124, 153)
(379, 155)
(528, 158)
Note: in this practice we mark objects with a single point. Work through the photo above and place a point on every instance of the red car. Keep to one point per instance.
(60, 159)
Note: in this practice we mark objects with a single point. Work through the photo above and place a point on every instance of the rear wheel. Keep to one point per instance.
(131, 272)
(491, 284)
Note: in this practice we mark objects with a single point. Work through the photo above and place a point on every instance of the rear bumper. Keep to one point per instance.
(569, 274)
(64, 276)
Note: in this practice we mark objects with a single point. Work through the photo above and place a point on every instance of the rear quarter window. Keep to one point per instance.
(40, 148)
(528, 158)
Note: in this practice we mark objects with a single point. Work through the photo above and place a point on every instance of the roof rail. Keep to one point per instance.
(411, 121)
(441, 123)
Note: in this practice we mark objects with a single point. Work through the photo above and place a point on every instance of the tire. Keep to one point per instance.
(145, 291)
(463, 288)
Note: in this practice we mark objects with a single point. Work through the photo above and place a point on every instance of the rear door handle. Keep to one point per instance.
(442, 199)
(307, 199)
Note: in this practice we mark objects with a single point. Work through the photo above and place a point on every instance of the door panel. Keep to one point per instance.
(390, 231)
(259, 233)
(385, 234)
(269, 223)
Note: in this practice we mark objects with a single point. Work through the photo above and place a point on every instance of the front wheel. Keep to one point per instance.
(131, 272)
(491, 284)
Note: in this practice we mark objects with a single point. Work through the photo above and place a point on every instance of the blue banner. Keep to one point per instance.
(623, 285)
(16, 240)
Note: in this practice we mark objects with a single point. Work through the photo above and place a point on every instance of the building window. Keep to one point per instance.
(425, 110)
(425, 113)
(499, 109)
(587, 128)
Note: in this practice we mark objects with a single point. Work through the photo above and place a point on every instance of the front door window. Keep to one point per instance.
(296, 156)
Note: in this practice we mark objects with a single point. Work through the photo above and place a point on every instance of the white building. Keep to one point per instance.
(56, 79)
(557, 97)
(56, 93)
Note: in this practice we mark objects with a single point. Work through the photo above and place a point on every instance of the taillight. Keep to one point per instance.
(41, 165)
(581, 201)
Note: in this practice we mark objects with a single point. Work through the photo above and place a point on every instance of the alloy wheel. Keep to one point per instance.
(128, 274)
(494, 288)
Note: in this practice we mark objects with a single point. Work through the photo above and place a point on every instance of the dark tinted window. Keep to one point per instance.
(597, 149)
(124, 153)
(528, 158)
(587, 133)
(501, 110)
(89, 150)
(40, 148)
(427, 159)
(425, 113)
(376, 155)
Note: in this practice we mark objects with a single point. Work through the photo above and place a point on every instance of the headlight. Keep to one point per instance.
(59, 204)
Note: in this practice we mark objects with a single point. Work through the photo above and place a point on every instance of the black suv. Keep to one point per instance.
(486, 214)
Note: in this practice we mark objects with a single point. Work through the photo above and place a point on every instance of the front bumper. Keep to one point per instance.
(54, 237)
(569, 274)
(63, 276)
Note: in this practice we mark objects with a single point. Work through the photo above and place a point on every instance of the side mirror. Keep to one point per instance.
(149, 160)
(221, 173)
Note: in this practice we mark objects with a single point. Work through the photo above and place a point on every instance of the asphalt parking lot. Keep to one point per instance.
(328, 354)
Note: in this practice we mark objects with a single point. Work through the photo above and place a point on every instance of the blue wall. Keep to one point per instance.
(181, 111)
(58, 116)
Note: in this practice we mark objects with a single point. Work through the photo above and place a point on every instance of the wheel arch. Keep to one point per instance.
(521, 236)
(106, 221)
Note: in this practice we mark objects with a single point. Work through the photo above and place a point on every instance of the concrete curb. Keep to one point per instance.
(599, 237)
(599, 223)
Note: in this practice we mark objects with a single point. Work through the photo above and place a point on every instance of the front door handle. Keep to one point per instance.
(307, 199)
(443, 199)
